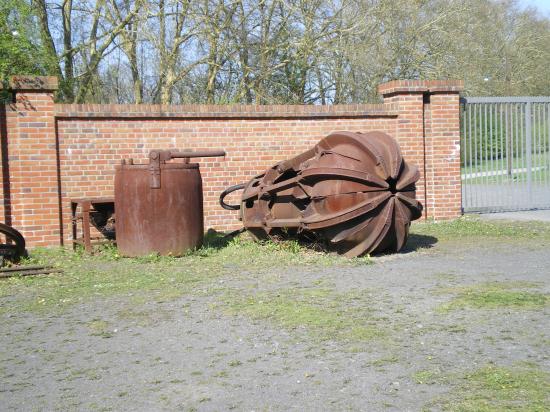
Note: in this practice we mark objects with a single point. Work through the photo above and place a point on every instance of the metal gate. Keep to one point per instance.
(505, 149)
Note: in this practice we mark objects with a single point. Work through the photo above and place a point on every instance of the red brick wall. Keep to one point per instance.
(80, 144)
(30, 147)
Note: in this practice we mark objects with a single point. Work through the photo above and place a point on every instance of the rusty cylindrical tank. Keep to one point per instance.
(159, 205)
(353, 190)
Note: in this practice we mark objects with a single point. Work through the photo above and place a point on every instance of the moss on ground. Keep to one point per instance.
(425, 377)
(495, 295)
(99, 327)
(160, 278)
(493, 388)
(475, 228)
(321, 312)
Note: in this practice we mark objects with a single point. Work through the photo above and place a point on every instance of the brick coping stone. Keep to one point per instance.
(224, 111)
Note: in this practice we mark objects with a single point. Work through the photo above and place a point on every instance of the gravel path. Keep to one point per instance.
(194, 354)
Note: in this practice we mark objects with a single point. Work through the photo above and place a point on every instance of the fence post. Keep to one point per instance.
(528, 149)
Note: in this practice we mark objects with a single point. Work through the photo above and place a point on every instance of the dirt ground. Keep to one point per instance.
(405, 333)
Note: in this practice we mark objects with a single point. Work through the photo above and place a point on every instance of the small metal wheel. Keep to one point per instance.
(14, 247)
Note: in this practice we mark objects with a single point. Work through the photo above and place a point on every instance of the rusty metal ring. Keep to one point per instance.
(227, 191)
(18, 249)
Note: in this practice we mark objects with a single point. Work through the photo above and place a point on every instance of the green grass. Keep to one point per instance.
(495, 389)
(495, 295)
(320, 312)
(474, 228)
(155, 277)
(387, 360)
(425, 377)
(100, 328)
(518, 162)
(541, 176)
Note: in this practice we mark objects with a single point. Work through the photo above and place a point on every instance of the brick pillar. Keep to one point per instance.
(428, 130)
(443, 155)
(32, 160)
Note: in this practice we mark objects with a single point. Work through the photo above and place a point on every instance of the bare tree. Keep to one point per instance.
(287, 51)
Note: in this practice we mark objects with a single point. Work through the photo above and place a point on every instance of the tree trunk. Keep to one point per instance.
(68, 87)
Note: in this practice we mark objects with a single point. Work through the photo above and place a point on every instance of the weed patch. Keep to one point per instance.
(383, 361)
(473, 227)
(495, 295)
(319, 312)
(493, 388)
(158, 278)
(425, 377)
(100, 328)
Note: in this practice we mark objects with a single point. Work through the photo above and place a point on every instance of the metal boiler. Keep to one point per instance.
(159, 206)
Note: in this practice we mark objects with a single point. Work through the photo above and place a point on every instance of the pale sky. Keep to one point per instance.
(542, 5)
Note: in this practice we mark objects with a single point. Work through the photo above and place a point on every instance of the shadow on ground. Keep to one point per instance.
(416, 242)
(218, 240)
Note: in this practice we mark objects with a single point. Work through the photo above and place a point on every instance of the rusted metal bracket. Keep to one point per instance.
(154, 169)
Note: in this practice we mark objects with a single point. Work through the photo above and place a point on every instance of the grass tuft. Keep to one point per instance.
(425, 377)
(493, 388)
(160, 278)
(495, 295)
(321, 313)
(100, 328)
(473, 227)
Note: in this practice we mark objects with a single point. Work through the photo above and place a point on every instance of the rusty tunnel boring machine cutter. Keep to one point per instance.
(353, 191)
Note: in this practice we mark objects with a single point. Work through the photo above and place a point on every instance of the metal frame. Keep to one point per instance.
(86, 208)
(505, 147)
(505, 99)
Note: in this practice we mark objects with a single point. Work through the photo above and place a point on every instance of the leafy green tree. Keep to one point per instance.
(20, 52)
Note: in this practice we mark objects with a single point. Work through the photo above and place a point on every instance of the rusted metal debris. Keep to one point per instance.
(352, 189)
(102, 218)
(12, 251)
(14, 247)
(159, 205)
(97, 212)
(28, 271)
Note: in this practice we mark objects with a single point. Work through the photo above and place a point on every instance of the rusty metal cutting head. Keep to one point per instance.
(352, 189)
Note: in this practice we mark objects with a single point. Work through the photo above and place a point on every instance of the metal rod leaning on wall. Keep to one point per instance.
(28, 271)
(156, 157)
